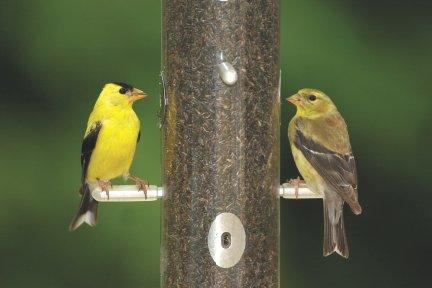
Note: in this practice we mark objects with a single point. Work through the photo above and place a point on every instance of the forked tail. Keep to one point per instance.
(334, 230)
(87, 211)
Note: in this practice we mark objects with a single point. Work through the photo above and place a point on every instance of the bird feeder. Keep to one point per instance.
(221, 144)
(220, 121)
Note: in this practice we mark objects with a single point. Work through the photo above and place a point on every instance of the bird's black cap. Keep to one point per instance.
(126, 86)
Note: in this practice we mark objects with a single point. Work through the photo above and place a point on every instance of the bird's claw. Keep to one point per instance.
(296, 183)
(141, 184)
(105, 186)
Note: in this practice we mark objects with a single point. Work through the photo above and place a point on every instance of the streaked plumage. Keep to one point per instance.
(108, 146)
(322, 152)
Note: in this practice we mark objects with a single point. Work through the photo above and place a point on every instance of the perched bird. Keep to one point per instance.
(322, 152)
(108, 147)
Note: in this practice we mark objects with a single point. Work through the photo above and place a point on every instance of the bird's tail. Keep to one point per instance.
(87, 211)
(334, 230)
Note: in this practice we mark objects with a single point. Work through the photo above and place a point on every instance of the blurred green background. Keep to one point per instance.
(373, 57)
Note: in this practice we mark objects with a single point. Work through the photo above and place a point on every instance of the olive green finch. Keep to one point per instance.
(322, 152)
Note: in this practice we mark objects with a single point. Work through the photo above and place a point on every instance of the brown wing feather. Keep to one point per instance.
(338, 170)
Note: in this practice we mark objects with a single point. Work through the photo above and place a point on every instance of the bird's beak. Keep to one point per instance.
(294, 99)
(137, 94)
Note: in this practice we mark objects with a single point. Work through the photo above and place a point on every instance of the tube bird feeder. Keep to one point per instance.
(221, 143)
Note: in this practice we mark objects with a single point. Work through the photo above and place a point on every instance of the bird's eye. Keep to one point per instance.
(312, 97)
(122, 90)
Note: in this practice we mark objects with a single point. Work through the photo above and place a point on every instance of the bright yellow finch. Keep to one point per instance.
(322, 152)
(108, 147)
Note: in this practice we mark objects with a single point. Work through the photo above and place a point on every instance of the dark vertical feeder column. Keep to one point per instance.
(221, 143)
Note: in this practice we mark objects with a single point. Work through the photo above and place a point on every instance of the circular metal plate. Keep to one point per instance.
(226, 240)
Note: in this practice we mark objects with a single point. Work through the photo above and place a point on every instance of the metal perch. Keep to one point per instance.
(130, 193)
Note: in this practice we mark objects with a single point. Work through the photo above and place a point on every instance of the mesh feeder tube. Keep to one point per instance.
(221, 143)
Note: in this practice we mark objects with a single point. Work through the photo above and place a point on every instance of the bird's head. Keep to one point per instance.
(120, 94)
(311, 103)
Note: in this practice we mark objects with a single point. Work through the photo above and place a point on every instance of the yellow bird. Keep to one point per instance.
(322, 152)
(108, 147)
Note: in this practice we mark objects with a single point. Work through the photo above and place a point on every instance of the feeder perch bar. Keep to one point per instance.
(130, 193)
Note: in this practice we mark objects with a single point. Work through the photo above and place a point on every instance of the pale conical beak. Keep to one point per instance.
(294, 99)
(137, 94)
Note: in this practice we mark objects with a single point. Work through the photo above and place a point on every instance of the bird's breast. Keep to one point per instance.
(115, 148)
(309, 174)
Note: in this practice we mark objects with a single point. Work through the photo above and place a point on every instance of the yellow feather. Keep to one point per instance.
(309, 174)
(116, 143)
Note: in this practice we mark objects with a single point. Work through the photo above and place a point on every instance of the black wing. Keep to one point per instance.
(338, 170)
(88, 144)
(139, 136)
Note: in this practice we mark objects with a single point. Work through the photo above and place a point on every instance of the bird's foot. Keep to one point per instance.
(296, 183)
(142, 184)
(105, 186)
